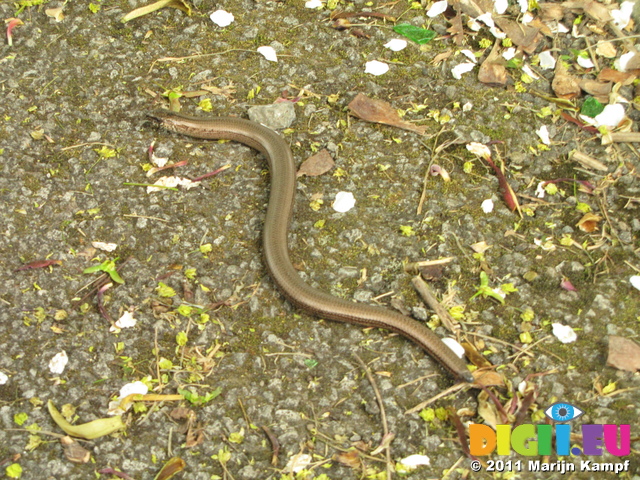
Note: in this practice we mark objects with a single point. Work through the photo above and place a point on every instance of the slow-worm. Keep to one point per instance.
(275, 233)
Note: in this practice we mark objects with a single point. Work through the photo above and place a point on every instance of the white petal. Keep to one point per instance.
(509, 53)
(487, 206)
(135, 387)
(298, 462)
(585, 62)
(564, 333)
(126, 320)
(474, 25)
(540, 191)
(437, 8)
(635, 281)
(469, 54)
(396, 44)
(461, 69)
(222, 18)
(500, 6)
(487, 19)
(524, 5)
(547, 61)
(543, 133)
(58, 363)
(313, 4)
(3, 378)
(374, 67)
(622, 17)
(171, 182)
(454, 346)
(269, 53)
(344, 202)
(622, 63)
(413, 461)
(496, 32)
(527, 69)
(526, 18)
(107, 247)
(479, 149)
(611, 116)
(467, 107)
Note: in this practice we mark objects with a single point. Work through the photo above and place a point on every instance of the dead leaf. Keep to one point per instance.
(524, 36)
(551, 12)
(457, 29)
(624, 354)
(487, 410)
(74, 451)
(317, 164)
(379, 111)
(589, 222)
(564, 85)
(606, 49)
(491, 73)
(615, 76)
(597, 11)
(600, 90)
(350, 458)
(441, 57)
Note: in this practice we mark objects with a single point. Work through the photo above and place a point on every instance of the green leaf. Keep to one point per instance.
(20, 418)
(415, 34)
(165, 290)
(14, 470)
(591, 107)
(108, 267)
(310, 363)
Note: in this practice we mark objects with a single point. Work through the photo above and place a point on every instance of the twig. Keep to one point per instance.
(383, 415)
(448, 391)
(275, 445)
(428, 296)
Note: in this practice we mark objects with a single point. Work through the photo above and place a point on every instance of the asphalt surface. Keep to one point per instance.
(73, 142)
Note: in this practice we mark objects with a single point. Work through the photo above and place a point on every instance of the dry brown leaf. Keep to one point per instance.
(589, 222)
(551, 12)
(457, 29)
(624, 354)
(524, 36)
(350, 458)
(379, 111)
(597, 11)
(74, 451)
(475, 356)
(611, 75)
(441, 57)
(317, 164)
(487, 410)
(564, 85)
(606, 49)
(600, 90)
(488, 378)
(491, 73)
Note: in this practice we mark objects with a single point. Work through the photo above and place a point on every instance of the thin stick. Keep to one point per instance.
(428, 296)
(275, 445)
(383, 415)
(448, 391)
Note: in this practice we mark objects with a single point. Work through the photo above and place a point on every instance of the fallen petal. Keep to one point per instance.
(564, 333)
(269, 53)
(344, 202)
(396, 44)
(222, 18)
(58, 363)
(375, 67)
